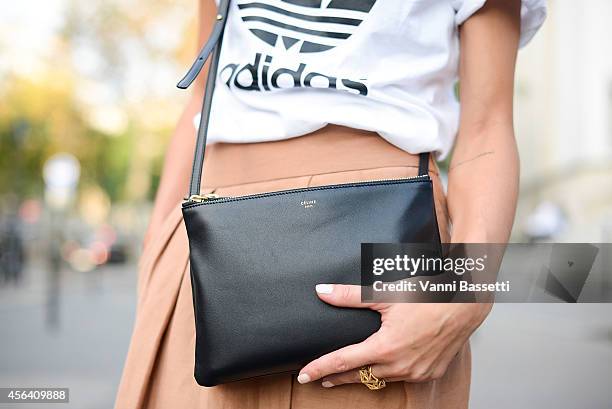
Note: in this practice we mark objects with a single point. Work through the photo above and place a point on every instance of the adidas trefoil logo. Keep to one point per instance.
(307, 26)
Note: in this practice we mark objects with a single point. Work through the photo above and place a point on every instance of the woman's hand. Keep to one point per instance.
(415, 343)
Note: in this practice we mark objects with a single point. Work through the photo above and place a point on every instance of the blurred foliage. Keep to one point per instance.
(103, 92)
(39, 119)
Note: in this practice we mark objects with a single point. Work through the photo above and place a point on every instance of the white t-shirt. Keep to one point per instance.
(289, 67)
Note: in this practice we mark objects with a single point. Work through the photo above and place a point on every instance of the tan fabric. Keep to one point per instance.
(158, 371)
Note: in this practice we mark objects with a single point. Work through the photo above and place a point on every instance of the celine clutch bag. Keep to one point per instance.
(255, 260)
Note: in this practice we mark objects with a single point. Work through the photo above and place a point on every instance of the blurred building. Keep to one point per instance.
(564, 122)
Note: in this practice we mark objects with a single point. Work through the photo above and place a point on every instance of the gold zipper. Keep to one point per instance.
(214, 196)
(386, 180)
(202, 198)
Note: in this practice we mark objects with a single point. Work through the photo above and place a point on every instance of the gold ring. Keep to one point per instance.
(368, 379)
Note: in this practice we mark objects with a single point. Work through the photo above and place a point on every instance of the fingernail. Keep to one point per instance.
(324, 288)
(303, 378)
(327, 384)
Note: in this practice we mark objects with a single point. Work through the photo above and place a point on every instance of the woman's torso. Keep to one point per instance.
(289, 67)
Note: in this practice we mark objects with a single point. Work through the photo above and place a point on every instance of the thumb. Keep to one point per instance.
(342, 295)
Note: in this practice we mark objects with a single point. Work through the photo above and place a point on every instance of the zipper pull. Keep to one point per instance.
(202, 198)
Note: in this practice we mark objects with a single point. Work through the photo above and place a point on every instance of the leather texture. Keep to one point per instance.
(255, 261)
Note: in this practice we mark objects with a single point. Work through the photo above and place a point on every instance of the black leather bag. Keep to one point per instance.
(255, 260)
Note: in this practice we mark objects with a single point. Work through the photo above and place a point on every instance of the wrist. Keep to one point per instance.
(473, 314)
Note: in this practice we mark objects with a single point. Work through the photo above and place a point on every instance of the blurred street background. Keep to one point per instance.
(87, 105)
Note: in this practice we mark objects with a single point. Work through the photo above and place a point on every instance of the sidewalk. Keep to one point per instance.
(83, 350)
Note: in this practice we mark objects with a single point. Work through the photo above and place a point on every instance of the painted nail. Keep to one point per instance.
(327, 384)
(303, 378)
(324, 288)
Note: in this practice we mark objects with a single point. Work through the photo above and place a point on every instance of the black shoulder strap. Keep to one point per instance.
(215, 39)
(213, 44)
(423, 163)
(212, 48)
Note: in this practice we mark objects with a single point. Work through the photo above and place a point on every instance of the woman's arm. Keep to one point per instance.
(484, 171)
(417, 342)
(179, 155)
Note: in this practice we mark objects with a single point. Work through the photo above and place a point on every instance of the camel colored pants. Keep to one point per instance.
(158, 371)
